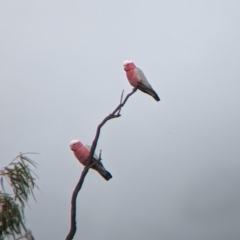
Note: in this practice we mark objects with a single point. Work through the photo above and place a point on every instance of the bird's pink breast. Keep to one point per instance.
(82, 155)
(132, 77)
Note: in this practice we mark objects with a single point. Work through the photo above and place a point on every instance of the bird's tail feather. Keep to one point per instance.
(155, 96)
(102, 171)
(149, 91)
(107, 176)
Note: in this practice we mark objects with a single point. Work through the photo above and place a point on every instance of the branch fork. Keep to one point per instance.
(115, 114)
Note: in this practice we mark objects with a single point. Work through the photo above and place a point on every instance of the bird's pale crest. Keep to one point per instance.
(73, 142)
(127, 61)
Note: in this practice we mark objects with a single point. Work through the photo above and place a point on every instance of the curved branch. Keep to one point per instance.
(115, 114)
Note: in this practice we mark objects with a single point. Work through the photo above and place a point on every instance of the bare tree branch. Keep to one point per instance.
(114, 114)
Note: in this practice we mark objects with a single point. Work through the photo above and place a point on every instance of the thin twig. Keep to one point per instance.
(122, 96)
(114, 114)
(121, 101)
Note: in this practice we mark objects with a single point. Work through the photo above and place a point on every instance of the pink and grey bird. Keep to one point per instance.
(81, 152)
(137, 78)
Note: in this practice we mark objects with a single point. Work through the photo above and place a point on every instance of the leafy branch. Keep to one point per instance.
(20, 178)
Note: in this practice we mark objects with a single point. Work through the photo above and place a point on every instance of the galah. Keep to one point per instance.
(137, 79)
(81, 152)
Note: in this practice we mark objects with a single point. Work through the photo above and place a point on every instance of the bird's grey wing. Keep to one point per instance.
(95, 156)
(145, 86)
(143, 78)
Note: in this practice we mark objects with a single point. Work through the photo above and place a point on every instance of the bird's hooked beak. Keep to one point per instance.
(74, 147)
(125, 67)
(74, 144)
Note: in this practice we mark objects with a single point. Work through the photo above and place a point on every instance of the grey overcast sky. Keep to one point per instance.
(175, 163)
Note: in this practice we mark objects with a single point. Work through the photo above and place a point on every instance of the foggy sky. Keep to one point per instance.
(175, 163)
